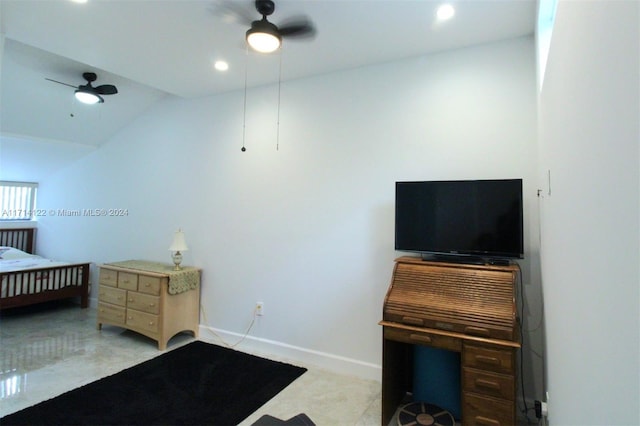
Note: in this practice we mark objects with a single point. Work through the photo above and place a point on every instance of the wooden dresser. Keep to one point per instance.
(149, 298)
(464, 308)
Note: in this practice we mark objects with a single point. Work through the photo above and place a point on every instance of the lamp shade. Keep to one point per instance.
(263, 36)
(178, 243)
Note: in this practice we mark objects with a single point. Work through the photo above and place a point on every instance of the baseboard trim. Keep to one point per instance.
(296, 355)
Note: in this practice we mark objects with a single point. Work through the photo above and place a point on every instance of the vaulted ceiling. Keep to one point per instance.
(151, 49)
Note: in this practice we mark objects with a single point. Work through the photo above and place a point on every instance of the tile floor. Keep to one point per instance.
(47, 350)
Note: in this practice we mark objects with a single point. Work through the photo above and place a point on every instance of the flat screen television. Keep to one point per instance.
(475, 220)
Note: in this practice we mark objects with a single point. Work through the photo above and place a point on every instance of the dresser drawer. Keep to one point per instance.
(111, 314)
(112, 295)
(149, 285)
(485, 358)
(492, 384)
(108, 277)
(127, 281)
(143, 302)
(142, 320)
(487, 411)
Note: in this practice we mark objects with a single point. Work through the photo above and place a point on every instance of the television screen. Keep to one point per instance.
(481, 218)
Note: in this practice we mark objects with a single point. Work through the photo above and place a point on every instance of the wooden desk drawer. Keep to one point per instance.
(108, 277)
(143, 302)
(492, 384)
(142, 320)
(487, 411)
(422, 338)
(127, 281)
(149, 285)
(485, 358)
(111, 314)
(112, 295)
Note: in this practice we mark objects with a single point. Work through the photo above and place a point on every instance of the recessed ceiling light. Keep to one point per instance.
(445, 11)
(221, 65)
(79, 1)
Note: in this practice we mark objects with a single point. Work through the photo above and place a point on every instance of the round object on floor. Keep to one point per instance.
(424, 414)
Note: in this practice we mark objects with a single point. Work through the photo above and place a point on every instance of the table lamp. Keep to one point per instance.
(178, 245)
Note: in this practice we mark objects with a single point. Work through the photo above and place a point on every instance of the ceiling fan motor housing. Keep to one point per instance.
(263, 26)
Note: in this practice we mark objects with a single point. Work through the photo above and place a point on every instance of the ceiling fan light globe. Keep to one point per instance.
(263, 42)
(263, 36)
(88, 98)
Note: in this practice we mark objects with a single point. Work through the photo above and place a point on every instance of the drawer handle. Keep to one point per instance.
(147, 285)
(420, 338)
(483, 359)
(150, 322)
(481, 420)
(412, 320)
(152, 305)
(488, 384)
(130, 318)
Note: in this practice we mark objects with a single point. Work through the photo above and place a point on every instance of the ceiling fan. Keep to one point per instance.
(88, 94)
(264, 36)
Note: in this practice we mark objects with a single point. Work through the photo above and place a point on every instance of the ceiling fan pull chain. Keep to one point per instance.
(279, 89)
(244, 108)
(72, 107)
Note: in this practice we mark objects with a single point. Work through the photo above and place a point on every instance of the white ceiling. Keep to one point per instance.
(153, 48)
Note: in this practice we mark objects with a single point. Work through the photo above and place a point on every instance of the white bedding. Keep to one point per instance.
(33, 262)
(13, 260)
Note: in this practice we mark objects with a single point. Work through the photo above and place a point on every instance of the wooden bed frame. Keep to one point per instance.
(76, 276)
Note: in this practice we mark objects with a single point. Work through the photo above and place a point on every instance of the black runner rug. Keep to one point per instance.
(198, 383)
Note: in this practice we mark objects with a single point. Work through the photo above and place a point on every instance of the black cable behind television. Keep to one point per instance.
(467, 220)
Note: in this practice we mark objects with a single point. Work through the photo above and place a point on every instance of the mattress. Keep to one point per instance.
(34, 279)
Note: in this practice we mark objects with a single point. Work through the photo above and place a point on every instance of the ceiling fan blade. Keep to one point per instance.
(231, 12)
(106, 89)
(59, 82)
(297, 27)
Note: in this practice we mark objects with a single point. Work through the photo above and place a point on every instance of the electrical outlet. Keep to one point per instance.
(541, 409)
(259, 308)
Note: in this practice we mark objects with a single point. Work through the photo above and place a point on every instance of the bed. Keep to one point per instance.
(28, 279)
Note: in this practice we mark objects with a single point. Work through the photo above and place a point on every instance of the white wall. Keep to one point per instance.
(589, 140)
(32, 160)
(306, 228)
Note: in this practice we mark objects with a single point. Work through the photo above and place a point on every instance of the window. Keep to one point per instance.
(17, 200)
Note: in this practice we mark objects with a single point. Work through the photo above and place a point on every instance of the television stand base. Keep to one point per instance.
(469, 260)
(499, 262)
(453, 258)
